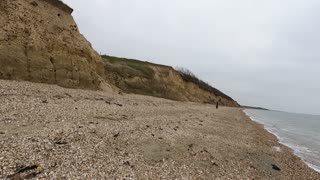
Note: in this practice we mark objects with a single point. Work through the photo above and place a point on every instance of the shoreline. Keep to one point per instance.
(282, 143)
(51, 132)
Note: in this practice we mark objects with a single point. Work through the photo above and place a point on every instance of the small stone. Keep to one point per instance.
(275, 167)
(116, 135)
(214, 164)
(118, 104)
(60, 142)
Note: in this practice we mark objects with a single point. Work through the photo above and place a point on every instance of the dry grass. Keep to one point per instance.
(137, 77)
(188, 76)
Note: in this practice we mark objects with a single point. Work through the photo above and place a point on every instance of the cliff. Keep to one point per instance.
(140, 77)
(40, 42)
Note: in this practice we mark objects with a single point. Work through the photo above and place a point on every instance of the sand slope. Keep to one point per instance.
(51, 132)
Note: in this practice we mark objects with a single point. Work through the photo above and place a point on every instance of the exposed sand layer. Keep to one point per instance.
(40, 42)
(50, 132)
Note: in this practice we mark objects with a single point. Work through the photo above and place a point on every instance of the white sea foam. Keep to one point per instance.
(296, 131)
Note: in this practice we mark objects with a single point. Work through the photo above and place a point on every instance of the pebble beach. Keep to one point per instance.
(50, 132)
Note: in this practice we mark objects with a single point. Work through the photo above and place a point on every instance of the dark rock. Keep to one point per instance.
(116, 135)
(127, 163)
(190, 146)
(60, 142)
(118, 104)
(214, 164)
(275, 167)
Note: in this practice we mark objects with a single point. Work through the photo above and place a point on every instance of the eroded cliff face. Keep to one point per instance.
(188, 91)
(140, 77)
(40, 42)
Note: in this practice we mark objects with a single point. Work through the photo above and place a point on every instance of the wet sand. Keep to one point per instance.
(54, 133)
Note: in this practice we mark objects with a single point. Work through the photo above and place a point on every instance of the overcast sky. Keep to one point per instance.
(260, 52)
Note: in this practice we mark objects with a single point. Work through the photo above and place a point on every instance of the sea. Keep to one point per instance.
(300, 132)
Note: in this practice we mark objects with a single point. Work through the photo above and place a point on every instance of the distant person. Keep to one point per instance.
(217, 106)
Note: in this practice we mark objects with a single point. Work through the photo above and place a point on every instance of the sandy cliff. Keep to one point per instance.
(40, 42)
(140, 77)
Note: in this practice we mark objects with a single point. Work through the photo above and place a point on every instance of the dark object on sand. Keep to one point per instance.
(217, 106)
(25, 172)
(274, 167)
(26, 168)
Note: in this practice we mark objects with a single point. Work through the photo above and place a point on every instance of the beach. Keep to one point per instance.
(51, 132)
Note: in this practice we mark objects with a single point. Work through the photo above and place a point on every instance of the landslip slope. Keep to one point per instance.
(140, 77)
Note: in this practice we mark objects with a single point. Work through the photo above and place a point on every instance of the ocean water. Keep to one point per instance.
(300, 132)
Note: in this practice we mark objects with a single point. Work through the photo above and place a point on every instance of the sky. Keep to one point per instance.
(262, 53)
